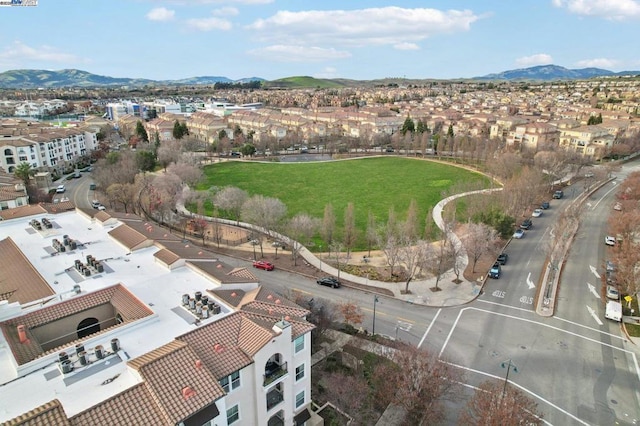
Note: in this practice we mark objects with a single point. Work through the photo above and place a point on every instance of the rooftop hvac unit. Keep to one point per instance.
(100, 354)
(79, 348)
(185, 300)
(66, 366)
(198, 296)
(82, 356)
(205, 312)
(115, 345)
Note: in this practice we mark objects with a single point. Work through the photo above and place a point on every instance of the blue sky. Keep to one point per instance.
(365, 39)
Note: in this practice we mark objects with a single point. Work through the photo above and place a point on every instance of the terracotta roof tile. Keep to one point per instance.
(122, 300)
(166, 256)
(223, 273)
(168, 371)
(128, 237)
(134, 406)
(187, 250)
(49, 414)
(22, 211)
(231, 297)
(298, 327)
(219, 344)
(150, 230)
(61, 207)
(19, 280)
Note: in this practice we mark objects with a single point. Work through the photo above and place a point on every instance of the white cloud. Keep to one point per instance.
(160, 14)
(374, 26)
(598, 63)
(19, 54)
(288, 53)
(406, 46)
(226, 11)
(208, 24)
(198, 2)
(538, 59)
(607, 9)
(327, 72)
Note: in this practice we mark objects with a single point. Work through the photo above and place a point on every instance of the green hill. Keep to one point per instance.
(302, 82)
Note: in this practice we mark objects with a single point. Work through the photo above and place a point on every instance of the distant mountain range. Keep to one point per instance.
(554, 72)
(32, 79)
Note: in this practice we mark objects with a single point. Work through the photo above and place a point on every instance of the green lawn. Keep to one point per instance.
(372, 184)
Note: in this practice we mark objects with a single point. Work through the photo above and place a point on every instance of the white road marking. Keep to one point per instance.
(594, 314)
(592, 289)
(446, 342)
(594, 271)
(499, 294)
(530, 283)
(565, 412)
(424, 336)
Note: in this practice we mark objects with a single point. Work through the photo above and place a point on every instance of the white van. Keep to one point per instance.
(613, 311)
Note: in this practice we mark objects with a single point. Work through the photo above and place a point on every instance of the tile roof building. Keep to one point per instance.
(112, 320)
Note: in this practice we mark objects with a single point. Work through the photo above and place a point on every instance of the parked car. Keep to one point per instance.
(610, 266)
(495, 271)
(526, 224)
(329, 282)
(502, 258)
(518, 234)
(60, 189)
(92, 186)
(612, 293)
(536, 213)
(589, 175)
(558, 194)
(263, 264)
(96, 204)
(545, 205)
(617, 207)
(609, 240)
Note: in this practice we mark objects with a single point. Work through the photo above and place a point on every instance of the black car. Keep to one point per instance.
(495, 271)
(526, 224)
(502, 258)
(558, 195)
(329, 282)
(544, 205)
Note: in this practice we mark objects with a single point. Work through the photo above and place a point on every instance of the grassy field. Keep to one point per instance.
(302, 81)
(372, 184)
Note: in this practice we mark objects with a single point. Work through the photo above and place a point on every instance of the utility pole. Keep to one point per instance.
(375, 302)
(509, 365)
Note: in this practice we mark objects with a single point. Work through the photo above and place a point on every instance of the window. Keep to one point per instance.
(234, 379)
(299, 342)
(299, 399)
(233, 414)
(299, 372)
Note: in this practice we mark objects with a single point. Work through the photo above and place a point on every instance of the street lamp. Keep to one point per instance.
(375, 301)
(509, 365)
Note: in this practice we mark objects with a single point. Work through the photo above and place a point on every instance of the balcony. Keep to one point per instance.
(277, 419)
(273, 371)
(274, 397)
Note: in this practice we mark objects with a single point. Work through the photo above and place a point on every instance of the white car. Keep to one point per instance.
(613, 293)
(609, 240)
(60, 189)
(537, 213)
(518, 234)
(617, 207)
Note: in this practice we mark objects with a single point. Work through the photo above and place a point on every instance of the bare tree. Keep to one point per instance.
(390, 241)
(350, 392)
(189, 173)
(169, 152)
(165, 191)
(217, 230)
(440, 259)
(410, 230)
(417, 381)
(336, 249)
(301, 228)
(478, 240)
(414, 256)
(496, 404)
(350, 233)
(121, 193)
(371, 232)
(231, 199)
(328, 224)
(351, 313)
(264, 212)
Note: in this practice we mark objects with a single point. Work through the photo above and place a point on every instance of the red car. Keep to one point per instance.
(263, 264)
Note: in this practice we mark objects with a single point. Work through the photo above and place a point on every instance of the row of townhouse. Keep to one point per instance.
(44, 147)
(12, 192)
(122, 323)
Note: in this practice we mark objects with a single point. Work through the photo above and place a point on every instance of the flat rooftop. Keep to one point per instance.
(100, 289)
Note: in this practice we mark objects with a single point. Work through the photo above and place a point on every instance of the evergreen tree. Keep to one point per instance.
(141, 132)
(407, 126)
(450, 131)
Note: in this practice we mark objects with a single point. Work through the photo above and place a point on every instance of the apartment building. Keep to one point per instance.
(12, 192)
(109, 319)
(533, 136)
(47, 147)
(590, 141)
